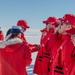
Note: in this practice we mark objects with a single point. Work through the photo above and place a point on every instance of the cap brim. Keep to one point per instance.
(70, 30)
(55, 23)
(43, 30)
(27, 27)
(45, 22)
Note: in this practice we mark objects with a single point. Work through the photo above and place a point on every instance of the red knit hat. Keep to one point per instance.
(22, 23)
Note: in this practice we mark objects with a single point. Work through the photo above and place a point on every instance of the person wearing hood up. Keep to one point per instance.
(14, 54)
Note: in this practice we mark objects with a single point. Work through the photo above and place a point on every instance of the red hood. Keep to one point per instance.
(13, 47)
(12, 44)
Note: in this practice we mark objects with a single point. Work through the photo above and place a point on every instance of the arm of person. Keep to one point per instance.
(27, 56)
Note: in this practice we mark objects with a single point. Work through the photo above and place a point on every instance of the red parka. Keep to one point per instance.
(38, 62)
(64, 59)
(55, 55)
(14, 57)
(37, 65)
(73, 70)
(67, 57)
(47, 53)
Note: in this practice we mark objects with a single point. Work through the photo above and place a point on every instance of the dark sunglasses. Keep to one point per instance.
(24, 28)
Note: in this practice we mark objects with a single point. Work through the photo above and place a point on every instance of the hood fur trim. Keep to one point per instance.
(10, 42)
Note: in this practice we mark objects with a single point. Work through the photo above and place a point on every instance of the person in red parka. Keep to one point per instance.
(23, 24)
(37, 65)
(47, 50)
(68, 54)
(14, 54)
(67, 64)
(51, 49)
(1, 35)
(48, 31)
(67, 23)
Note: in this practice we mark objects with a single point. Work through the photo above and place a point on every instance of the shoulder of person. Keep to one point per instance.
(10, 42)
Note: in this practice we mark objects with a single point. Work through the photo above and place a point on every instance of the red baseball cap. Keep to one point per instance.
(22, 23)
(69, 18)
(50, 19)
(60, 19)
(55, 23)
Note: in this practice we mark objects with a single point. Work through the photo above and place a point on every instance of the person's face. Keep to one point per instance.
(57, 28)
(49, 25)
(63, 27)
(23, 29)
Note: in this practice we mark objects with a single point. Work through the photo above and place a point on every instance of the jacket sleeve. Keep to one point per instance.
(27, 56)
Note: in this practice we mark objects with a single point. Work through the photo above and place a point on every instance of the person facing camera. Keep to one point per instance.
(14, 54)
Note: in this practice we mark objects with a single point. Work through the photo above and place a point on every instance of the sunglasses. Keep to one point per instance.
(24, 28)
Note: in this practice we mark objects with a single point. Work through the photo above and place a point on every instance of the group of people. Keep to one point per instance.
(57, 47)
(56, 51)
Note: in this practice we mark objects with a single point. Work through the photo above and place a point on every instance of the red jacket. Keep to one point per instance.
(38, 62)
(73, 70)
(37, 65)
(14, 58)
(63, 59)
(67, 55)
(47, 53)
(55, 44)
